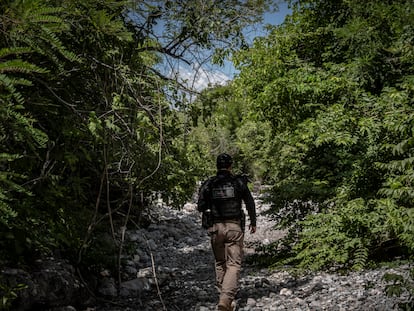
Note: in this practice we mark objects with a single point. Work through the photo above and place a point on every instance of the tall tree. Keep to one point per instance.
(89, 125)
(334, 81)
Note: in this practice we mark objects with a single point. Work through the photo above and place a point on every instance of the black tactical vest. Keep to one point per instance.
(226, 197)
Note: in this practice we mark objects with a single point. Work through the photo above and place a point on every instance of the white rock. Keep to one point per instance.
(285, 292)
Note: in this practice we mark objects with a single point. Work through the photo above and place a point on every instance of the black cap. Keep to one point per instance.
(224, 160)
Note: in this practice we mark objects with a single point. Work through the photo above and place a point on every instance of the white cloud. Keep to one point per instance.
(200, 78)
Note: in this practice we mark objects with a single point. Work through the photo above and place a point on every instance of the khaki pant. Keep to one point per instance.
(227, 245)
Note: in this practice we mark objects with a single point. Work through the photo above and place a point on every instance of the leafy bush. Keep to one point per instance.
(400, 285)
(9, 294)
(349, 236)
(335, 83)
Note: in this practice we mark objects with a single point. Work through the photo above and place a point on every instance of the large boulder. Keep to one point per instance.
(51, 283)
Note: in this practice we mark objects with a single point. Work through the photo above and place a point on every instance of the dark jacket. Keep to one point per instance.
(223, 195)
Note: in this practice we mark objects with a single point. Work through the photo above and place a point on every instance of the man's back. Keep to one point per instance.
(222, 196)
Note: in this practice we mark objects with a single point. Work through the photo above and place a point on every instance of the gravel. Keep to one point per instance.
(169, 266)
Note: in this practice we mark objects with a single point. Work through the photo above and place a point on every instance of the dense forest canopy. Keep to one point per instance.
(87, 127)
(92, 123)
(322, 110)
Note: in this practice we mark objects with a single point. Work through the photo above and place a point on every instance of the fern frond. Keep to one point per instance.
(360, 256)
(403, 146)
(6, 212)
(37, 136)
(106, 24)
(4, 52)
(7, 157)
(407, 233)
(44, 19)
(50, 37)
(399, 165)
(50, 10)
(40, 28)
(44, 15)
(17, 65)
(21, 81)
(9, 85)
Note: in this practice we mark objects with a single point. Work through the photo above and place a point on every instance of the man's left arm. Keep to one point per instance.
(251, 208)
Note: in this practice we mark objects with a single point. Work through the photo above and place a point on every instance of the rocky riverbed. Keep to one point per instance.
(172, 269)
(169, 266)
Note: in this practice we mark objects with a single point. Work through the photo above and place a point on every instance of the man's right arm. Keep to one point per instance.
(202, 203)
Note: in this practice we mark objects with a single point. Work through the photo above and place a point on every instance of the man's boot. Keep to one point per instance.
(224, 305)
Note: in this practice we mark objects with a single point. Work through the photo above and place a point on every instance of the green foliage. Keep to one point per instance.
(9, 294)
(327, 108)
(334, 82)
(321, 109)
(221, 123)
(189, 26)
(400, 126)
(7, 213)
(347, 236)
(398, 285)
(253, 140)
(88, 129)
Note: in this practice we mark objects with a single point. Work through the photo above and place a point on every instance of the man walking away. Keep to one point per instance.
(220, 198)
